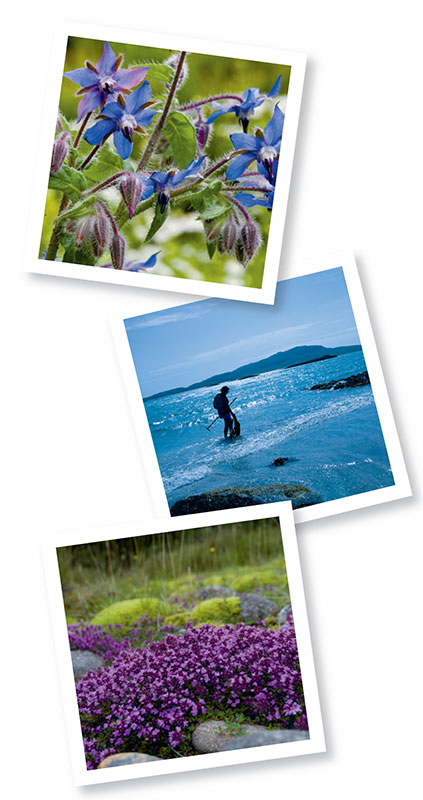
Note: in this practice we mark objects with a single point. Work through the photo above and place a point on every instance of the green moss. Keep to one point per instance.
(249, 581)
(178, 618)
(127, 612)
(217, 610)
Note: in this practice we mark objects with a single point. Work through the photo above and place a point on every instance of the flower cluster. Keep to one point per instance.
(110, 641)
(149, 699)
(158, 160)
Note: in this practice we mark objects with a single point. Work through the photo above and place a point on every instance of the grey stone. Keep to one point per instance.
(124, 759)
(255, 608)
(234, 497)
(215, 591)
(259, 739)
(210, 736)
(83, 661)
(283, 614)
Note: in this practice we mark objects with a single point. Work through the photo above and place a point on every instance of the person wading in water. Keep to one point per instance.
(221, 404)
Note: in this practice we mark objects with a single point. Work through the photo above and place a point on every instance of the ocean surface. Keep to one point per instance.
(333, 439)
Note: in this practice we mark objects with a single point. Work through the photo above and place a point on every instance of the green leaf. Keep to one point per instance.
(211, 247)
(85, 253)
(200, 199)
(214, 208)
(158, 72)
(180, 132)
(103, 166)
(158, 220)
(68, 242)
(69, 181)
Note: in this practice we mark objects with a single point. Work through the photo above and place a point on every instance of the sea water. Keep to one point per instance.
(332, 438)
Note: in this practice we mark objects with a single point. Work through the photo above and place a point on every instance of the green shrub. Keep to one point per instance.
(178, 618)
(248, 582)
(217, 610)
(127, 612)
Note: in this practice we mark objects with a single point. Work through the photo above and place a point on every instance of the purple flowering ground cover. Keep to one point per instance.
(150, 698)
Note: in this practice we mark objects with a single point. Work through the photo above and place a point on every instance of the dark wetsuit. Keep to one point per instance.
(225, 414)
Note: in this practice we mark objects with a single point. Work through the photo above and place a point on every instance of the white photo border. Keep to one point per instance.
(316, 742)
(266, 294)
(401, 487)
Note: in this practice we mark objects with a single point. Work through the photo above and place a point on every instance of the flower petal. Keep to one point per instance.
(83, 77)
(97, 133)
(145, 117)
(244, 141)
(193, 168)
(112, 110)
(274, 91)
(238, 165)
(249, 200)
(128, 78)
(134, 266)
(218, 113)
(105, 65)
(272, 133)
(122, 144)
(90, 101)
(136, 99)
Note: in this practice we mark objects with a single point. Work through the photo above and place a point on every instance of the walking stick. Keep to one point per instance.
(215, 420)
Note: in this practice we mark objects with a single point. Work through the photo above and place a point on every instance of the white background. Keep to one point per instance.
(69, 452)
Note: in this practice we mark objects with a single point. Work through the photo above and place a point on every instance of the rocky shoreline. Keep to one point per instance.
(361, 379)
(237, 496)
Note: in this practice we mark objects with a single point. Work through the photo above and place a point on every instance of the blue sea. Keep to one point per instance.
(332, 438)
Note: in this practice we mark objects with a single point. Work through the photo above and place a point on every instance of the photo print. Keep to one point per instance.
(239, 405)
(183, 644)
(167, 165)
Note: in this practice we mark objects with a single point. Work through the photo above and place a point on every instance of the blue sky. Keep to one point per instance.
(183, 345)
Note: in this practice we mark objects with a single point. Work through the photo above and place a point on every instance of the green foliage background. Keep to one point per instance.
(181, 243)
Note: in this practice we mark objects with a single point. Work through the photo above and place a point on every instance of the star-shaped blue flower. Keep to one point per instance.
(103, 82)
(123, 120)
(251, 99)
(254, 148)
(164, 181)
(262, 181)
(136, 266)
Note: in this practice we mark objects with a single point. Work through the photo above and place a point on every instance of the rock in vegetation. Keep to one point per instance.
(207, 592)
(260, 738)
(284, 613)
(83, 661)
(124, 759)
(220, 610)
(255, 608)
(279, 462)
(127, 612)
(211, 736)
(362, 379)
(238, 496)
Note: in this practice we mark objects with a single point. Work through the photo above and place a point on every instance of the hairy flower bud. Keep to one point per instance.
(117, 250)
(173, 61)
(212, 229)
(131, 190)
(83, 230)
(101, 230)
(202, 131)
(60, 151)
(247, 243)
(227, 237)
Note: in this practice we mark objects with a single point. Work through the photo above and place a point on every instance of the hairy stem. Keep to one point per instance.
(53, 244)
(81, 130)
(238, 205)
(247, 189)
(109, 217)
(154, 138)
(211, 99)
(93, 152)
(103, 185)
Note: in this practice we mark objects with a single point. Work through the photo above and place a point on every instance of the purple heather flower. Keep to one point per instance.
(103, 82)
(251, 99)
(264, 148)
(123, 120)
(164, 181)
(136, 266)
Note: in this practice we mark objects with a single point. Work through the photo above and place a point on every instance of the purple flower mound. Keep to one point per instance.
(151, 698)
(109, 643)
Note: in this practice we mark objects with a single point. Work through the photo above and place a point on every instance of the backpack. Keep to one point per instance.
(218, 403)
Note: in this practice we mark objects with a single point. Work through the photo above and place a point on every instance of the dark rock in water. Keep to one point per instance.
(255, 608)
(83, 661)
(124, 759)
(362, 379)
(237, 496)
(284, 614)
(211, 736)
(279, 462)
(206, 592)
(258, 739)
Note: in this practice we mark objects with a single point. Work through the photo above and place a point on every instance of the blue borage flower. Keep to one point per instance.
(164, 181)
(135, 266)
(103, 82)
(251, 99)
(123, 119)
(260, 182)
(254, 148)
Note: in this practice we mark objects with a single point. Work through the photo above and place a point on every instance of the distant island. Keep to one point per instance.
(295, 357)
